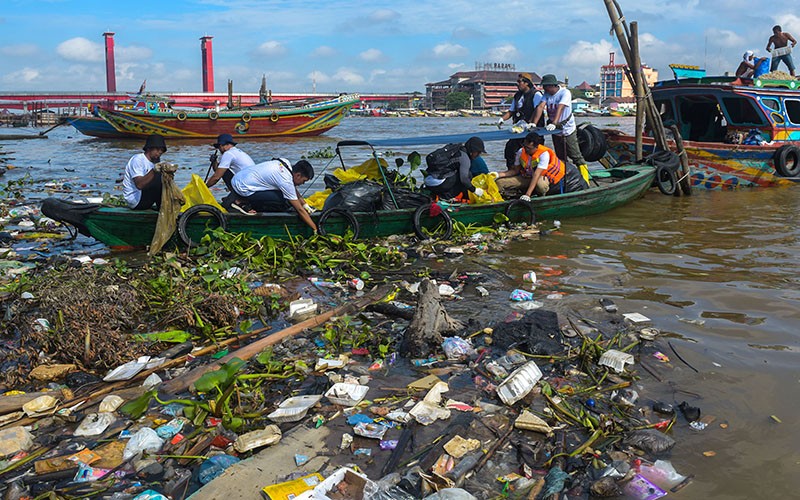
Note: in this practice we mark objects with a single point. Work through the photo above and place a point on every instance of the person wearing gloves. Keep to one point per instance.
(537, 169)
(557, 103)
(523, 105)
(232, 161)
(271, 186)
(453, 178)
(141, 183)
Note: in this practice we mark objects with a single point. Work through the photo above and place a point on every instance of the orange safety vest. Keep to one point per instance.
(555, 168)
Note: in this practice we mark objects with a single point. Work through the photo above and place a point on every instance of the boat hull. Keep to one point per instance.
(713, 165)
(124, 228)
(95, 127)
(309, 120)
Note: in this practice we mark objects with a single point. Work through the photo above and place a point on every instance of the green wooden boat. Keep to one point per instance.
(122, 228)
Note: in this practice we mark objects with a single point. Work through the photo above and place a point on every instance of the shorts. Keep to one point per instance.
(786, 58)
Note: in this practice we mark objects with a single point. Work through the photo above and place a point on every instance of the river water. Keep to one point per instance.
(716, 272)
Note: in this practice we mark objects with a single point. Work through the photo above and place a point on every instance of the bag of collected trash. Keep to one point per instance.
(317, 200)
(573, 180)
(405, 199)
(197, 193)
(650, 441)
(359, 196)
(491, 193)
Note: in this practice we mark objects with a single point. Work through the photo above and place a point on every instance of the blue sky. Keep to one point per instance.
(360, 46)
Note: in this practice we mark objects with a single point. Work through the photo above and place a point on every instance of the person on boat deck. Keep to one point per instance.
(752, 66)
(141, 184)
(271, 186)
(522, 107)
(779, 40)
(557, 103)
(537, 169)
(456, 179)
(232, 161)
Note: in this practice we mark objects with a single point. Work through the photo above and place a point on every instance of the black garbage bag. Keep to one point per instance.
(332, 182)
(667, 159)
(405, 199)
(650, 441)
(573, 180)
(535, 333)
(358, 196)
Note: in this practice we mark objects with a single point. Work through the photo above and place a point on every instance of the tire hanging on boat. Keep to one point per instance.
(181, 116)
(192, 212)
(530, 220)
(274, 116)
(213, 115)
(347, 215)
(246, 117)
(787, 161)
(425, 210)
(666, 180)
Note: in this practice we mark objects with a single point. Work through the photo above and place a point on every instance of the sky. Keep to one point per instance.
(361, 46)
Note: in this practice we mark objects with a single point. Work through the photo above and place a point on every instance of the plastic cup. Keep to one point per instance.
(529, 277)
(356, 284)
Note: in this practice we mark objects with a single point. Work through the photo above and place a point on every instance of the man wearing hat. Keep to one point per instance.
(141, 184)
(558, 104)
(232, 161)
(454, 180)
(522, 108)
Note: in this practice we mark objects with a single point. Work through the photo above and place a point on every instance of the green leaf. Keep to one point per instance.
(176, 336)
(136, 408)
(220, 378)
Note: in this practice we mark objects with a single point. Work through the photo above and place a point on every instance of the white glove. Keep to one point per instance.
(500, 122)
(525, 197)
(550, 126)
(532, 126)
(308, 208)
(494, 175)
(478, 192)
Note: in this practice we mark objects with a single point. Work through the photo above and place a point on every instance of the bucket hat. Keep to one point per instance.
(155, 141)
(549, 79)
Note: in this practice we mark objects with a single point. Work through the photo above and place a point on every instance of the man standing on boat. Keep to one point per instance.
(232, 161)
(271, 186)
(558, 104)
(141, 183)
(779, 41)
(522, 107)
(537, 169)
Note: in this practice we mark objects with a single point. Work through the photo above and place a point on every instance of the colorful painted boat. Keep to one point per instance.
(304, 120)
(95, 126)
(123, 228)
(718, 118)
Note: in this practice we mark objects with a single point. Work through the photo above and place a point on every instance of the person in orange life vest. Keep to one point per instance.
(537, 169)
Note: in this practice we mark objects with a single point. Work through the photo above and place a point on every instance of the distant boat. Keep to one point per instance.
(157, 117)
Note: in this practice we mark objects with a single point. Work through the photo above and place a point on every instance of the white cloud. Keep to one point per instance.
(132, 53)
(324, 51)
(446, 50)
(585, 54)
(348, 76)
(788, 22)
(21, 50)
(271, 48)
(26, 75)
(724, 38)
(456, 66)
(81, 50)
(372, 55)
(507, 53)
(383, 16)
(319, 77)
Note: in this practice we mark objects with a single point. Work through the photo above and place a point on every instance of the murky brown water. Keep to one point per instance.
(717, 272)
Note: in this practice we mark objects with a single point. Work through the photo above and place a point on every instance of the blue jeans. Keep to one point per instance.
(786, 58)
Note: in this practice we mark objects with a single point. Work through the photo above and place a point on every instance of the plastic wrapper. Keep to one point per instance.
(457, 348)
(94, 424)
(662, 473)
(372, 431)
(521, 295)
(639, 488)
(214, 467)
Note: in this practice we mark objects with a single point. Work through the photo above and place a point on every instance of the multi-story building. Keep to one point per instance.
(487, 89)
(614, 82)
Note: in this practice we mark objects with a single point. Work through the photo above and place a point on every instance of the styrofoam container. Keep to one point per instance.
(294, 409)
(346, 394)
(517, 385)
(616, 359)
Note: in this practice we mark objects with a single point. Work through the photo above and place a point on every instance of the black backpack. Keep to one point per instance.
(444, 161)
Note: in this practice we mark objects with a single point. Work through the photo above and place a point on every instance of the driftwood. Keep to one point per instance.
(179, 384)
(431, 321)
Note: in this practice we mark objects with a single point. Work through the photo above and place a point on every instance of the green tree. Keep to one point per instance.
(457, 100)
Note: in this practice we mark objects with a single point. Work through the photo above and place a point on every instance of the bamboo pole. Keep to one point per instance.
(684, 181)
(636, 69)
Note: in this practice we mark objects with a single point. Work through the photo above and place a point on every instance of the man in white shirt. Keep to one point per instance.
(141, 184)
(232, 161)
(271, 186)
(558, 104)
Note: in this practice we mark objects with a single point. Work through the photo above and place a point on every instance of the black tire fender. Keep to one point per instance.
(600, 143)
(787, 161)
(340, 212)
(521, 203)
(666, 181)
(426, 210)
(190, 213)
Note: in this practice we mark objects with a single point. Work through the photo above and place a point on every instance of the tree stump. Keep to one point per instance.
(430, 322)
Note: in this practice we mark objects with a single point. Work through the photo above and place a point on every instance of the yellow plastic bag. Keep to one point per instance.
(367, 170)
(350, 175)
(197, 193)
(317, 200)
(584, 170)
(491, 194)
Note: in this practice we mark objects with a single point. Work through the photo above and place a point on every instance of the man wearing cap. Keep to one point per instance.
(141, 183)
(557, 103)
(522, 108)
(271, 186)
(232, 161)
(455, 179)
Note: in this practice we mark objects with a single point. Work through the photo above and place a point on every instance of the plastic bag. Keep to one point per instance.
(197, 193)
(491, 193)
(650, 441)
(367, 170)
(214, 467)
(456, 348)
(360, 196)
(317, 200)
(145, 439)
(662, 473)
